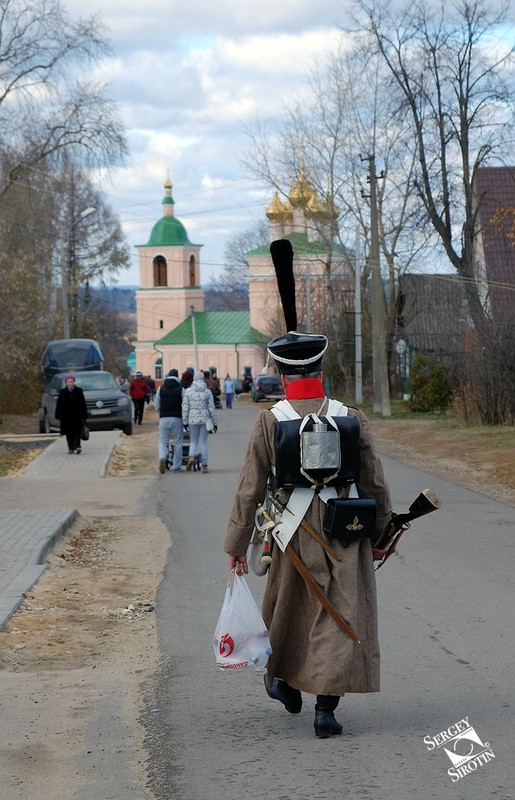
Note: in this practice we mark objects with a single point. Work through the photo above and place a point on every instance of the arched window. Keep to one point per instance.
(160, 276)
(192, 271)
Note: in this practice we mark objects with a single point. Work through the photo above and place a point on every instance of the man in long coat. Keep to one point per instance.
(310, 653)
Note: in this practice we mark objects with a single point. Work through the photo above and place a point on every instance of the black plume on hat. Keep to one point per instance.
(294, 353)
(281, 251)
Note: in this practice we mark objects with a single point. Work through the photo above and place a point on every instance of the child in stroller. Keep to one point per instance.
(197, 466)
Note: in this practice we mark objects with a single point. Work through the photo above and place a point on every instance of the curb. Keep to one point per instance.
(28, 567)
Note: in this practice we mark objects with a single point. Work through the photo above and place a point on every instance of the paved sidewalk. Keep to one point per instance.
(28, 531)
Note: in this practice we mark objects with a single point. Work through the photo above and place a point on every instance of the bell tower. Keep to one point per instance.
(169, 282)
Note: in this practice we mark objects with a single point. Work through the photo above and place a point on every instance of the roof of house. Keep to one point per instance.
(216, 327)
(495, 195)
(432, 313)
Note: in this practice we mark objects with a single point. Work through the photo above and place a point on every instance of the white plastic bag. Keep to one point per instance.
(241, 638)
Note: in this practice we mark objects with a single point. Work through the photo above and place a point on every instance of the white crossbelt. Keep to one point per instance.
(302, 497)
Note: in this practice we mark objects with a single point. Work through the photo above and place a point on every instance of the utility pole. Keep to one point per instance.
(358, 368)
(308, 296)
(379, 360)
(194, 334)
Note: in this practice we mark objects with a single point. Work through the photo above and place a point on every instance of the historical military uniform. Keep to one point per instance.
(310, 651)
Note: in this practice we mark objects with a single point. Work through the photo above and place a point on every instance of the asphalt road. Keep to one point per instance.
(446, 640)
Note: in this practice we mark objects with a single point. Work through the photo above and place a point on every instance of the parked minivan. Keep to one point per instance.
(72, 355)
(108, 407)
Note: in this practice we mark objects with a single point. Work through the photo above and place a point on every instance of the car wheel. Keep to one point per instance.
(46, 423)
(254, 398)
(127, 429)
(42, 426)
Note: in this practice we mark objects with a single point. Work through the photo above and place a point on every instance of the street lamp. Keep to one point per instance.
(64, 270)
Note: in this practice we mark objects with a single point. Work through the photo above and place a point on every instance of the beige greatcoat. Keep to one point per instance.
(310, 651)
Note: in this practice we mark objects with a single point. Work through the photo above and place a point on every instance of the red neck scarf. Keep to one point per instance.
(305, 389)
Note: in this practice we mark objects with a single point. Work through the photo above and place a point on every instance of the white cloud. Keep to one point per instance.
(187, 77)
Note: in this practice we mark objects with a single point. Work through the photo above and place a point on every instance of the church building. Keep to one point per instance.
(174, 330)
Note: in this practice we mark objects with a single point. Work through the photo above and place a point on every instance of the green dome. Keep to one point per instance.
(168, 232)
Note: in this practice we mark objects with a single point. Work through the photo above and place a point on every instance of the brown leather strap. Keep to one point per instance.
(317, 591)
(316, 536)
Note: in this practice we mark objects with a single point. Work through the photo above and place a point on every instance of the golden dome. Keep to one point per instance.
(315, 206)
(277, 211)
(302, 192)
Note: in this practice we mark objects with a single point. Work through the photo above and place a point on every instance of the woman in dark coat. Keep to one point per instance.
(71, 411)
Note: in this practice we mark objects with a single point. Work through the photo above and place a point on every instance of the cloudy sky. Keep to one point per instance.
(187, 76)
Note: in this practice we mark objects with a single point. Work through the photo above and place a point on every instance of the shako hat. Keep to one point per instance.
(294, 353)
(298, 353)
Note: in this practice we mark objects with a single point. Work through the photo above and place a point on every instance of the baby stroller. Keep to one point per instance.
(197, 466)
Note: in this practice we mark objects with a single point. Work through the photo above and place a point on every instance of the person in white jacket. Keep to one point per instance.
(197, 408)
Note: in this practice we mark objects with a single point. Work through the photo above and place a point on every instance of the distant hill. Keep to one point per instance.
(222, 297)
(218, 297)
(119, 298)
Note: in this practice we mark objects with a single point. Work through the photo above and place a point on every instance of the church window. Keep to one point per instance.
(160, 271)
(192, 271)
(161, 323)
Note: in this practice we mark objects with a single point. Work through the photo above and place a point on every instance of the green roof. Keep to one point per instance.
(216, 327)
(301, 246)
(168, 232)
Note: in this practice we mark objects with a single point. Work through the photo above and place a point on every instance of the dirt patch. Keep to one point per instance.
(137, 454)
(98, 583)
(18, 423)
(481, 459)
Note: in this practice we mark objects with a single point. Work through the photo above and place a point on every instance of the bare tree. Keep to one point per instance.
(344, 116)
(38, 248)
(46, 105)
(306, 144)
(92, 248)
(229, 291)
(27, 295)
(450, 75)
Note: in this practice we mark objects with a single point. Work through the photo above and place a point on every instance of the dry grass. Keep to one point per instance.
(480, 458)
(14, 459)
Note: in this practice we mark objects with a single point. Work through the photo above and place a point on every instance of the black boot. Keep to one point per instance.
(325, 723)
(289, 697)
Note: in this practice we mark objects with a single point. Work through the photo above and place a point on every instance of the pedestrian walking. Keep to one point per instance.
(214, 386)
(168, 404)
(138, 392)
(229, 389)
(71, 411)
(319, 603)
(187, 377)
(151, 389)
(198, 413)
